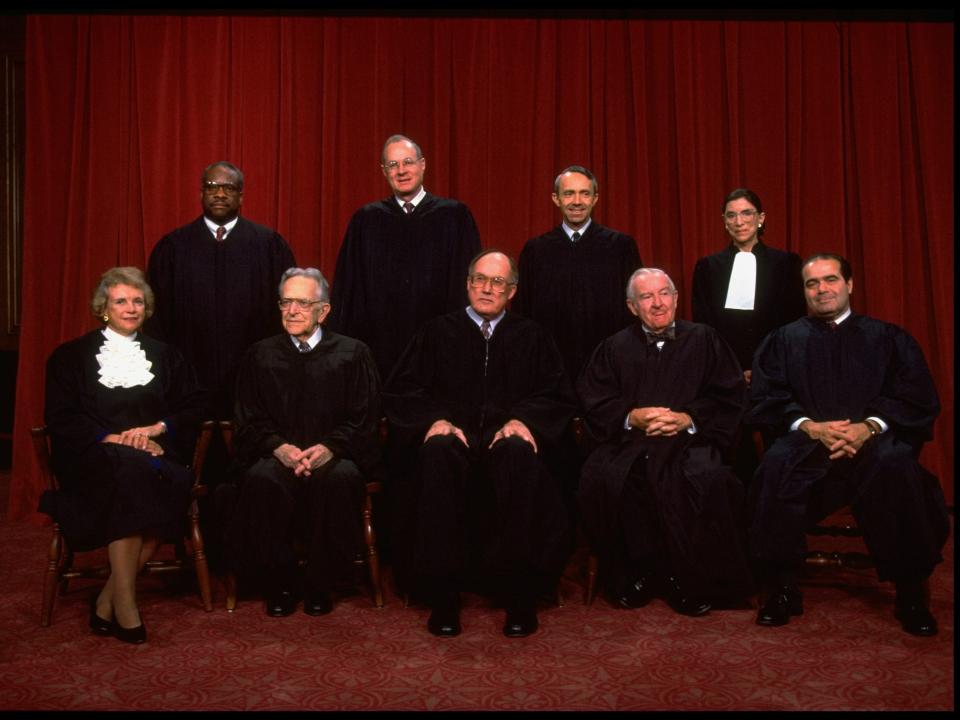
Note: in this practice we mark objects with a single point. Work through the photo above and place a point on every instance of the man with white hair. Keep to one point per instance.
(661, 398)
(307, 412)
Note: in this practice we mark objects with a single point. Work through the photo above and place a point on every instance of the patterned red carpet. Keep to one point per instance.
(846, 653)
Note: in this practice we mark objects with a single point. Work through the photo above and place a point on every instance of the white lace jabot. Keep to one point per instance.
(123, 363)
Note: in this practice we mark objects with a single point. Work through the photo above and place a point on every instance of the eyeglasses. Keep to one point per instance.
(394, 165)
(747, 215)
(210, 188)
(479, 280)
(284, 303)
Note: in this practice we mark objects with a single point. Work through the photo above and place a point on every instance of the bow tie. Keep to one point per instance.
(653, 338)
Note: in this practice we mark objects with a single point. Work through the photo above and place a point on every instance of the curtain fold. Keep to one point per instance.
(844, 129)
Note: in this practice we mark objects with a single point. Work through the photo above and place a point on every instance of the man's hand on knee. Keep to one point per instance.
(442, 427)
(514, 428)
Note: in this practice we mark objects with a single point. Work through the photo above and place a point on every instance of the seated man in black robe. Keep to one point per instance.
(479, 401)
(306, 416)
(854, 401)
(661, 398)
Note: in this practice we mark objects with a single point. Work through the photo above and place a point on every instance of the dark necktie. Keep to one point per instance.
(304, 346)
(408, 207)
(220, 233)
(485, 329)
(575, 236)
(832, 325)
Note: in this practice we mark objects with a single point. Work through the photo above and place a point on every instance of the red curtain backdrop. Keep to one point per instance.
(844, 129)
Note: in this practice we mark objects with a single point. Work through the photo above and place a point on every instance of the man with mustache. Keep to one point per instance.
(853, 401)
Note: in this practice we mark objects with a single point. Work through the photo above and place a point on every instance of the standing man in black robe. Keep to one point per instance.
(479, 401)
(574, 275)
(214, 281)
(307, 412)
(402, 258)
(661, 398)
(854, 401)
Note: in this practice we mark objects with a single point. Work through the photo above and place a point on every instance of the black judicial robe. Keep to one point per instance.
(395, 271)
(329, 395)
(778, 297)
(447, 373)
(866, 367)
(109, 491)
(697, 498)
(577, 291)
(213, 300)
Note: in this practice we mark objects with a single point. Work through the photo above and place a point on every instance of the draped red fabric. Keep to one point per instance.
(844, 129)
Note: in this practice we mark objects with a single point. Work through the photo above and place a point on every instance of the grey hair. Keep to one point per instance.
(237, 173)
(323, 287)
(132, 276)
(576, 169)
(399, 138)
(640, 272)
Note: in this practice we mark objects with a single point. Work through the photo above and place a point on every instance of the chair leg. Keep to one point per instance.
(200, 558)
(231, 583)
(373, 559)
(50, 577)
(591, 577)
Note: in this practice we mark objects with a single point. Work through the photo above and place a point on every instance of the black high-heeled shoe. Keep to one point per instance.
(134, 635)
(98, 625)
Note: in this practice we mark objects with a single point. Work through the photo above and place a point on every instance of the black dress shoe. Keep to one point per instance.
(281, 604)
(683, 603)
(444, 621)
(785, 601)
(98, 625)
(916, 618)
(134, 635)
(317, 602)
(635, 595)
(520, 622)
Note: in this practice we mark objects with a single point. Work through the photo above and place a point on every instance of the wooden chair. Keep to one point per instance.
(370, 558)
(61, 563)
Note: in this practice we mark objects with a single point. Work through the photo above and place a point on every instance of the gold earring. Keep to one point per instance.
(106, 318)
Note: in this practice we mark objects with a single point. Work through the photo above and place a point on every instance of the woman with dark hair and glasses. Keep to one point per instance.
(122, 411)
(745, 291)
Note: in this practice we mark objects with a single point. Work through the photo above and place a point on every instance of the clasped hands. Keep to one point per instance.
(511, 428)
(139, 438)
(303, 462)
(840, 437)
(660, 421)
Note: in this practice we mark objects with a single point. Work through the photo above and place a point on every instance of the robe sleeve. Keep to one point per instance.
(549, 406)
(908, 401)
(188, 404)
(721, 401)
(160, 274)
(258, 434)
(355, 435)
(603, 398)
(703, 307)
(65, 415)
(410, 405)
(348, 294)
(774, 403)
